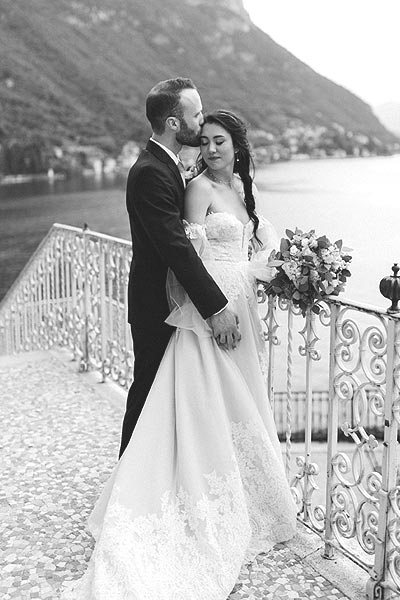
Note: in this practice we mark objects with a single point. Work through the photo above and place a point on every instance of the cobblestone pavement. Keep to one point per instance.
(59, 434)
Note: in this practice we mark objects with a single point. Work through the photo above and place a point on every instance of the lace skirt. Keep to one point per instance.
(201, 488)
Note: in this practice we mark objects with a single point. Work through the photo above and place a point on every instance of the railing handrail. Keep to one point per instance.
(364, 307)
(102, 236)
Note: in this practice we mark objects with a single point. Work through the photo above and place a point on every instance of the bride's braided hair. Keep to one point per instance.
(236, 127)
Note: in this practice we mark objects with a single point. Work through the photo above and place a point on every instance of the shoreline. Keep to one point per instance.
(51, 176)
(27, 177)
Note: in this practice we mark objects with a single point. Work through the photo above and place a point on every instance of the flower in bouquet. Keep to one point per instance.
(308, 269)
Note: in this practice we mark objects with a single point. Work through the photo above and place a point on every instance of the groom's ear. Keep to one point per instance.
(173, 123)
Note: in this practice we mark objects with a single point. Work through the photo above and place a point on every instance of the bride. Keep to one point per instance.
(200, 490)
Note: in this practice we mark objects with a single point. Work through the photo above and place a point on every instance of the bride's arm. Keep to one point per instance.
(197, 202)
(267, 235)
(267, 240)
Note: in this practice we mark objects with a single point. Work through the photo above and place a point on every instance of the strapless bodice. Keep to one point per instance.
(228, 237)
(223, 245)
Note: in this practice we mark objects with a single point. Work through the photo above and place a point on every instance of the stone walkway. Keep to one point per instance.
(59, 436)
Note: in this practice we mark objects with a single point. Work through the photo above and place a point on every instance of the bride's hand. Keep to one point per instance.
(225, 328)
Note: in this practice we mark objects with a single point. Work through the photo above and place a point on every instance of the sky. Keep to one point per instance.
(355, 43)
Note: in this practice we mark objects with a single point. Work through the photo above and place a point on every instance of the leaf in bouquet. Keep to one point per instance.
(323, 242)
(346, 249)
(339, 244)
(304, 307)
(329, 276)
(289, 233)
(280, 278)
(285, 245)
(314, 286)
(309, 258)
(346, 273)
(303, 284)
(347, 258)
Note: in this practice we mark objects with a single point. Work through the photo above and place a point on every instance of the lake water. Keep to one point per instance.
(353, 199)
(356, 200)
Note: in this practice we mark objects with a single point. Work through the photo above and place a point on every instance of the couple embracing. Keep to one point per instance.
(200, 488)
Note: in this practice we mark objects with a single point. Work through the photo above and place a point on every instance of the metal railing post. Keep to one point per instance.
(380, 584)
(84, 364)
(333, 420)
(272, 326)
(103, 310)
(310, 318)
(289, 378)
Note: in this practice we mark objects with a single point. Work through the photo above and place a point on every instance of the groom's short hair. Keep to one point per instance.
(163, 101)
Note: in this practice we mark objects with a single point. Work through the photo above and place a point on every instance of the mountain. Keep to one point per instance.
(389, 115)
(80, 70)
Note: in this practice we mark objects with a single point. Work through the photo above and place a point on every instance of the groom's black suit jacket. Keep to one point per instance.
(155, 194)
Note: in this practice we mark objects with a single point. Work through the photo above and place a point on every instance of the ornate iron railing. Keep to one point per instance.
(73, 293)
(361, 510)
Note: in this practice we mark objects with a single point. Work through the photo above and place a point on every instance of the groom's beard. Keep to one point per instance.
(187, 136)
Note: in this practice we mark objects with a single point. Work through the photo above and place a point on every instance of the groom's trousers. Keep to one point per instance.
(148, 348)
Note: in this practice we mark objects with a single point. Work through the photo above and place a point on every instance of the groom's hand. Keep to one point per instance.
(225, 328)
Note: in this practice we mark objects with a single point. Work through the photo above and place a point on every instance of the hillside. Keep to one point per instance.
(80, 70)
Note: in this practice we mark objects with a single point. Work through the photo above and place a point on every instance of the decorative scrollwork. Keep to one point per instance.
(394, 498)
(376, 399)
(283, 303)
(271, 324)
(310, 338)
(324, 315)
(393, 528)
(118, 365)
(373, 352)
(393, 560)
(303, 486)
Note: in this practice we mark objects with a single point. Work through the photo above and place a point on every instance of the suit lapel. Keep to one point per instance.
(159, 153)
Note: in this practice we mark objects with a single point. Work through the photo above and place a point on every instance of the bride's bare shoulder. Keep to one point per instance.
(198, 189)
(199, 184)
(197, 199)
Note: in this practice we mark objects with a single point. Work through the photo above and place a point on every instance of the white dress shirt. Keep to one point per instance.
(175, 157)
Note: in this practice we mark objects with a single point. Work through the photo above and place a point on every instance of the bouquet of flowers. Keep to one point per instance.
(308, 269)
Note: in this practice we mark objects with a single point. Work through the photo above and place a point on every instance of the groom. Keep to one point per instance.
(154, 198)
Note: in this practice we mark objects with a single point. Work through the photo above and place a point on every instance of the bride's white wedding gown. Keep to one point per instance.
(200, 490)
